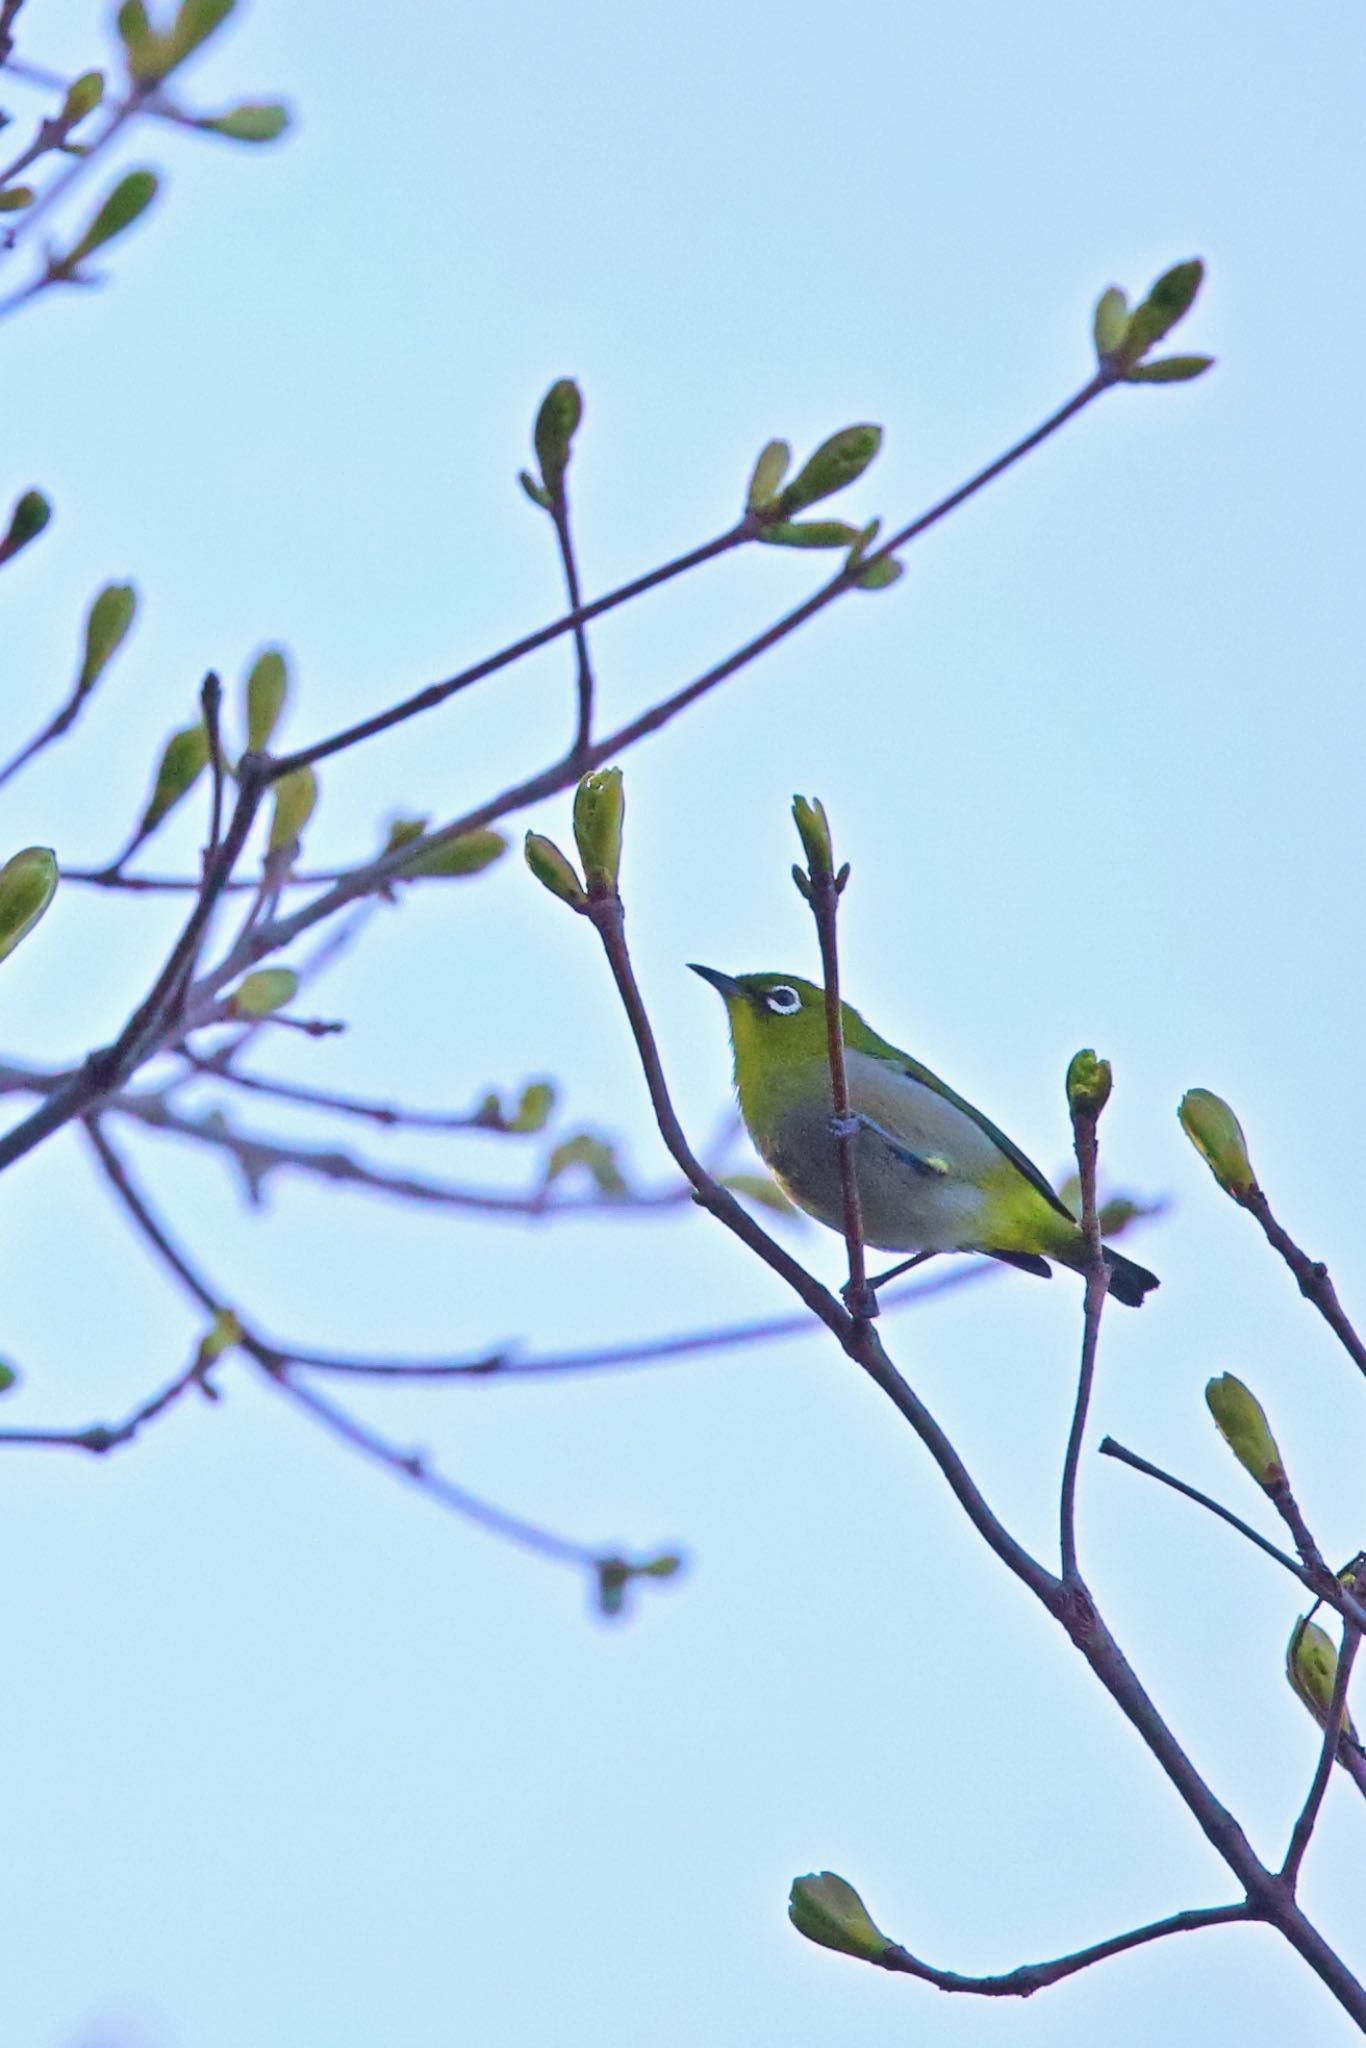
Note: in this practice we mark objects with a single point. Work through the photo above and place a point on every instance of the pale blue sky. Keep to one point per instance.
(292, 1758)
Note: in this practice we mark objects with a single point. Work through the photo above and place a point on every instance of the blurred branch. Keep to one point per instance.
(101, 1437)
(1084, 1121)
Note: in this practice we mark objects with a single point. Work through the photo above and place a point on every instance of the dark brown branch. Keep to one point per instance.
(822, 891)
(387, 1114)
(101, 1437)
(1031, 1977)
(1311, 1275)
(1325, 1586)
(275, 1367)
(583, 660)
(1084, 1123)
(1334, 1734)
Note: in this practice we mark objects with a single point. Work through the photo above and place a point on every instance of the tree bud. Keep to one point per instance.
(1217, 1136)
(769, 471)
(1241, 1422)
(30, 515)
(553, 871)
(296, 799)
(267, 690)
(183, 760)
(28, 883)
(1089, 1080)
(1311, 1666)
(557, 422)
(813, 829)
(599, 809)
(837, 462)
(264, 992)
(106, 628)
(826, 1909)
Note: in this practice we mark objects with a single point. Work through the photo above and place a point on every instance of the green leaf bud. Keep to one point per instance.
(1170, 299)
(9, 1376)
(194, 24)
(592, 1153)
(14, 198)
(1242, 1423)
(267, 690)
(536, 492)
(614, 1575)
(28, 883)
(30, 515)
(665, 1566)
(253, 121)
(224, 1335)
(82, 97)
(813, 829)
(296, 799)
(130, 198)
(553, 871)
(599, 809)
(1311, 1666)
(774, 460)
(810, 533)
(533, 1111)
(557, 423)
(1217, 1136)
(837, 462)
(106, 628)
(1089, 1081)
(1111, 322)
(468, 854)
(1170, 370)
(881, 574)
(184, 758)
(264, 992)
(826, 1909)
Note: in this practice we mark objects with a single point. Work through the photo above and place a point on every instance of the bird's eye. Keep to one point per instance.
(783, 1001)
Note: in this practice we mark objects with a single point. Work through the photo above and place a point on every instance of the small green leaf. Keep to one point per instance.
(599, 810)
(82, 97)
(533, 1111)
(557, 422)
(775, 458)
(827, 1909)
(1170, 299)
(9, 1376)
(813, 829)
(30, 515)
(837, 462)
(554, 872)
(810, 533)
(666, 1566)
(1217, 1136)
(183, 760)
(1241, 1422)
(592, 1153)
(129, 199)
(1089, 1081)
(536, 492)
(224, 1335)
(469, 854)
(264, 992)
(28, 883)
(1170, 370)
(196, 21)
(14, 198)
(267, 691)
(1111, 322)
(107, 625)
(880, 575)
(296, 799)
(253, 121)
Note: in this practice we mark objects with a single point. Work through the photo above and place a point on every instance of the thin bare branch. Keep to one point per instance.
(1031, 1977)
(1311, 1275)
(1084, 1122)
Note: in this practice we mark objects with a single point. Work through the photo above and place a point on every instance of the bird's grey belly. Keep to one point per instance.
(904, 1208)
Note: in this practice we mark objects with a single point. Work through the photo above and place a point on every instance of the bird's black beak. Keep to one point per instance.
(724, 984)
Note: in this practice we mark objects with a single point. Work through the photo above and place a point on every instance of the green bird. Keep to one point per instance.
(934, 1174)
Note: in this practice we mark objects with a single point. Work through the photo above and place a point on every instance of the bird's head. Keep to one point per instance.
(777, 1021)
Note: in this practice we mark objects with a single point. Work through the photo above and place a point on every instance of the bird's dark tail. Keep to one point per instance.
(1129, 1282)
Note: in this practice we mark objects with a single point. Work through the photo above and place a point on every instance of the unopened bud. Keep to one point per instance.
(1217, 1136)
(1241, 1422)
(183, 760)
(554, 872)
(827, 1909)
(28, 883)
(599, 809)
(264, 992)
(837, 462)
(296, 798)
(267, 690)
(1089, 1081)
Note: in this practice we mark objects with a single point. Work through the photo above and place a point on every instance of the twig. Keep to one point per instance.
(1333, 1733)
(583, 727)
(389, 1115)
(1328, 1590)
(1311, 1275)
(1032, 1977)
(1084, 1121)
(275, 1366)
(822, 888)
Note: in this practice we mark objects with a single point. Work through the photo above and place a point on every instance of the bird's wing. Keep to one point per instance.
(1017, 1158)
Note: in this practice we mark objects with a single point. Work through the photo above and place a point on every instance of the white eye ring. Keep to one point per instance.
(783, 1001)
